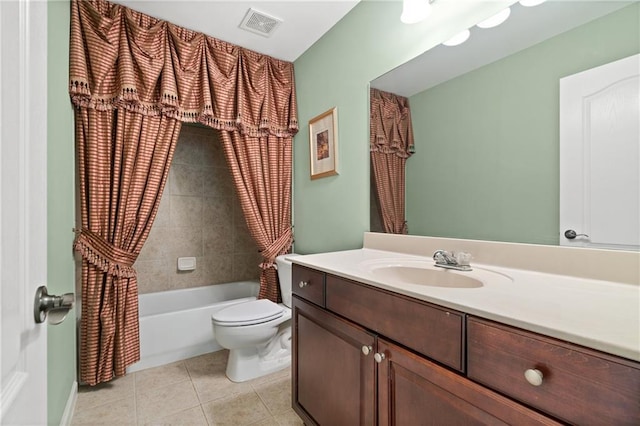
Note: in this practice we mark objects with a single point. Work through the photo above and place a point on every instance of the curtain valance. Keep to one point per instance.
(121, 58)
(390, 121)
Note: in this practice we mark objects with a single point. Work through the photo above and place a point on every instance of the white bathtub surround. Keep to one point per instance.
(176, 324)
(585, 296)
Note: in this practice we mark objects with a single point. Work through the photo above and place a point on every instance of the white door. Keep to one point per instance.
(600, 156)
(23, 190)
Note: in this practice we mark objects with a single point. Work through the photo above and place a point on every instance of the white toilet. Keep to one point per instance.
(257, 333)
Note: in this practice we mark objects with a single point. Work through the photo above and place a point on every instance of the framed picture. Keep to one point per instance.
(323, 144)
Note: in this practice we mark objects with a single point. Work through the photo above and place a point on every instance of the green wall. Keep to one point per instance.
(61, 209)
(332, 213)
(487, 160)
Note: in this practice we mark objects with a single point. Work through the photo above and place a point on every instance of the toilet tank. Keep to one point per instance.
(284, 276)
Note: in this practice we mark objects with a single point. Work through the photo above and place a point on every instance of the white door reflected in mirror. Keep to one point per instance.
(600, 156)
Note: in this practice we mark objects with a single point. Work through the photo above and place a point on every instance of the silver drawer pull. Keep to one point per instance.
(379, 357)
(534, 376)
(303, 284)
(366, 349)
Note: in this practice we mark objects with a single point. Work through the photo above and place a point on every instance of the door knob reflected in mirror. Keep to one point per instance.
(571, 234)
(55, 307)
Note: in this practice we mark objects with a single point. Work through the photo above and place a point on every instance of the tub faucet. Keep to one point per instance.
(458, 261)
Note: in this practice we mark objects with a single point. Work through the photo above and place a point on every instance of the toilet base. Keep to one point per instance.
(252, 362)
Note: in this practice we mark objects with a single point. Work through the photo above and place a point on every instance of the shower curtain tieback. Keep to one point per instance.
(275, 249)
(133, 79)
(105, 256)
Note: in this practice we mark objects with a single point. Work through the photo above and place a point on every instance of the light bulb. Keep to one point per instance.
(459, 38)
(496, 19)
(414, 11)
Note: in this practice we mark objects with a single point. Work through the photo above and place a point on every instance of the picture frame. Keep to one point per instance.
(323, 144)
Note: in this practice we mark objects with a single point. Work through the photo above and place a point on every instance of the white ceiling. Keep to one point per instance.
(304, 21)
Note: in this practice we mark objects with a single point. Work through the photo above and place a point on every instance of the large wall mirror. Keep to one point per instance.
(486, 119)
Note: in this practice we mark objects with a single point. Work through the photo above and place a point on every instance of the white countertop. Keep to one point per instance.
(598, 314)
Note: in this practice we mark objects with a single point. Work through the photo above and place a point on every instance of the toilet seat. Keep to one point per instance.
(248, 313)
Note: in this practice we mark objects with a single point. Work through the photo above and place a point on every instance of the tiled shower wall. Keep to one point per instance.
(199, 216)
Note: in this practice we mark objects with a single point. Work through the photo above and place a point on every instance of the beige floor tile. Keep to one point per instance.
(269, 421)
(161, 376)
(289, 418)
(245, 409)
(208, 363)
(116, 412)
(276, 395)
(209, 379)
(217, 386)
(194, 392)
(191, 417)
(91, 396)
(278, 375)
(160, 402)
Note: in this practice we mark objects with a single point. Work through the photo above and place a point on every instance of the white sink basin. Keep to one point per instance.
(435, 277)
(425, 273)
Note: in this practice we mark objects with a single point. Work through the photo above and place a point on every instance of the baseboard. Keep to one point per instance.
(67, 415)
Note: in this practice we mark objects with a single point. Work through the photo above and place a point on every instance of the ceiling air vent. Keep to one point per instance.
(259, 23)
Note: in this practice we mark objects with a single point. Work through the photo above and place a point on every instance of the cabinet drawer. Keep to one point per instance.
(415, 391)
(432, 331)
(308, 284)
(579, 385)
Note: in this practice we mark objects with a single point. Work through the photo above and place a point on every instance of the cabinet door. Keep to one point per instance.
(333, 379)
(414, 391)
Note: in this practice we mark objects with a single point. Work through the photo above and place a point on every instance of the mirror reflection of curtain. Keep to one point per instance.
(133, 80)
(391, 143)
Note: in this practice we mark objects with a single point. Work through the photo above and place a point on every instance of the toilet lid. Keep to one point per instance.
(248, 313)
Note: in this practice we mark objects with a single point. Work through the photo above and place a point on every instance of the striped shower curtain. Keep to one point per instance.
(391, 143)
(133, 80)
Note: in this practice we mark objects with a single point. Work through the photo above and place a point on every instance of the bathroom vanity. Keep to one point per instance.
(373, 344)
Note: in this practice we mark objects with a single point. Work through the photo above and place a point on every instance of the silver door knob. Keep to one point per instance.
(303, 284)
(56, 307)
(379, 357)
(366, 349)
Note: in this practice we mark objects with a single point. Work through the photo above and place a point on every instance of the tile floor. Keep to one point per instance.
(190, 392)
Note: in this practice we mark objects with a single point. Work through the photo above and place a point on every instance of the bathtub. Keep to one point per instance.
(176, 324)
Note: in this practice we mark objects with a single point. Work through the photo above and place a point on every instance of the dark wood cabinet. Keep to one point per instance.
(333, 380)
(415, 391)
(426, 328)
(576, 384)
(367, 356)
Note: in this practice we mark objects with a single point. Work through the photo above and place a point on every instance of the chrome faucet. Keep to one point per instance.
(458, 261)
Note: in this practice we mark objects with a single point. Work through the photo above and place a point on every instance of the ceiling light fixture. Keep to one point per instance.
(531, 3)
(496, 19)
(414, 11)
(459, 38)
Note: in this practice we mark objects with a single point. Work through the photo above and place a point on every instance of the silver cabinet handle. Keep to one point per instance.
(57, 307)
(379, 357)
(366, 349)
(534, 376)
(303, 284)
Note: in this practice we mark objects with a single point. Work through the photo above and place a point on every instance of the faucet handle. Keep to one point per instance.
(441, 256)
(463, 258)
